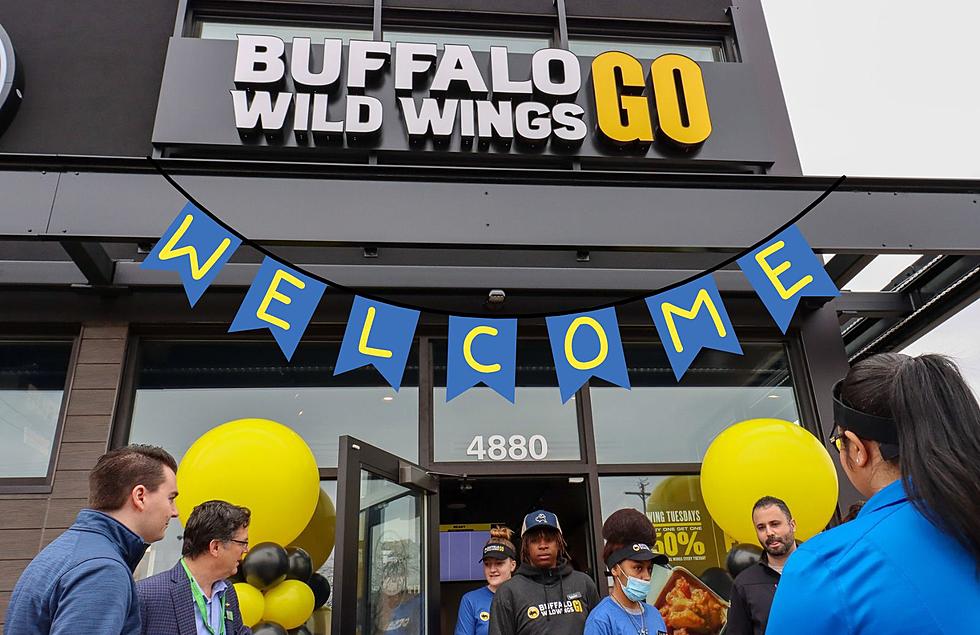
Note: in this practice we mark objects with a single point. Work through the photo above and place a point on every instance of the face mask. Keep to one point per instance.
(635, 588)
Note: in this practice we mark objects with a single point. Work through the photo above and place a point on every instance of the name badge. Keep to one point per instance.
(574, 596)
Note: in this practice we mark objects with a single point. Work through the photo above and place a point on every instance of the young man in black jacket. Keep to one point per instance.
(545, 596)
(755, 587)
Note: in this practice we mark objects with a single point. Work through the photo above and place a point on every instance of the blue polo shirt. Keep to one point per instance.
(474, 612)
(888, 571)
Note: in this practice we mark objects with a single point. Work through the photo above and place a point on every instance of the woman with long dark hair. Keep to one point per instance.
(908, 434)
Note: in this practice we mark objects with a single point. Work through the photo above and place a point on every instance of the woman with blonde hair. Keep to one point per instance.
(499, 561)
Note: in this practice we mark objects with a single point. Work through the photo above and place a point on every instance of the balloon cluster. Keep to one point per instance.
(292, 526)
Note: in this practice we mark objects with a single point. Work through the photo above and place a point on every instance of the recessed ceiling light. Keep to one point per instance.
(389, 398)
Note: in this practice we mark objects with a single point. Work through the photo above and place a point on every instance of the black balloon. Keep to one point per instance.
(321, 590)
(300, 564)
(299, 630)
(268, 628)
(741, 557)
(265, 565)
(718, 580)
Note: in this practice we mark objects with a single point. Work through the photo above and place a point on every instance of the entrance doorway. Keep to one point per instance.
(469, 506)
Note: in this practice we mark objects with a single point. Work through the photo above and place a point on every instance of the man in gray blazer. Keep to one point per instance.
(195, 597)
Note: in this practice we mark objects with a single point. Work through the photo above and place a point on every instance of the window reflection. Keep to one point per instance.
(661, 420)
(480, 425)
(217, 30)
(645, 50)
(482, 41)
(186, 388)
(32, 384)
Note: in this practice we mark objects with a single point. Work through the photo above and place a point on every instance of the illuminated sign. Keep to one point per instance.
(11, 81)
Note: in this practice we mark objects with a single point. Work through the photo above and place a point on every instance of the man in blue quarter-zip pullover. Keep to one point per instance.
(82, 583)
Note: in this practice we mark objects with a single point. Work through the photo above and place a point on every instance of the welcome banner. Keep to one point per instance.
(688, 316)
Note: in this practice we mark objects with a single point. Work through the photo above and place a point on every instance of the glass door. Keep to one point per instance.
(386, 576)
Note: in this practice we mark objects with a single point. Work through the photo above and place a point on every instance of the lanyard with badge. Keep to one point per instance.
(202, 603)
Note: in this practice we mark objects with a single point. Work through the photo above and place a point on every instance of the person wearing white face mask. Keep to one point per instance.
(628, 535)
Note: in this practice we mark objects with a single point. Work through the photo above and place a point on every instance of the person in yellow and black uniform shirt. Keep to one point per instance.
(908, 434)
(499, 562)
(546, 596)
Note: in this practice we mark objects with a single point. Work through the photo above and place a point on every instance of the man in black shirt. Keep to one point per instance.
(755, 587)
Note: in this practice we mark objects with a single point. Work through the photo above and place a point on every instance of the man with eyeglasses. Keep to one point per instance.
(195, 596)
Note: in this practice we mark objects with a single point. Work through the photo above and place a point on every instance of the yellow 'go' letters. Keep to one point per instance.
(272, 293)
(197, 271)
(703, 299)
(773, 272)
(362, 345)
(603, 343)
(468, 349)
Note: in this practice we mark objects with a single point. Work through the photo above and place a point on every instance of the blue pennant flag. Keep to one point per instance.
(282, 300)
(783, 270)
(194, 246)
(481, 350)
(378, 334)
(587, 345)
(689, 318)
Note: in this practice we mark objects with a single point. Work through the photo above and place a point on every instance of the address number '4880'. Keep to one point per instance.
(517, 447)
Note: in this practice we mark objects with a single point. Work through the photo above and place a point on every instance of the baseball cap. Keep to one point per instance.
(635, 551)
(540, 518)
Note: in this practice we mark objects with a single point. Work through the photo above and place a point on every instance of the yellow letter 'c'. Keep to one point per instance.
(773, 273)
(197, 272)
(702, 299)
(468, 349)
(682, 106)
(603, 343)
(622, 118)
(272, 293)
(362, 346)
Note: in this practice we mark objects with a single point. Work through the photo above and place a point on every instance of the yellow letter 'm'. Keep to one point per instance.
(468, 349)
(197, 272)
(622, 118)
(603, 343)
(682, 106)
(272, 293)
(702, 299)
(773, 273)
(362, 346)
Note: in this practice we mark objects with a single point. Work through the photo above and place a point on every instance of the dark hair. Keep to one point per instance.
(526, 544)
(770, 501)
(852, 512)
(117, 472)
(623, 527)
(502, 536)
(938, 423)
(212, 520)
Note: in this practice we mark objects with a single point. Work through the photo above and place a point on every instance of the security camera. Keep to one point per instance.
(496, 297)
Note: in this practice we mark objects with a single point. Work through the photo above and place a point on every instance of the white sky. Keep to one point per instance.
(878, 88)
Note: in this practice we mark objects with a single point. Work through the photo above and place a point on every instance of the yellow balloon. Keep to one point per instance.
(318, 537)
(259, 464)
(289, 604)
(251, 602)
(319, 623)
(768, 457)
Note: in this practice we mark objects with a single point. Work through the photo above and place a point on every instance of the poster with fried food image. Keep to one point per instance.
(689, 607)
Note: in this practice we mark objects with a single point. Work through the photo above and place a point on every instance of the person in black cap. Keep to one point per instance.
(499, 561)
(545, 596)
(907, 430)
(628, 534)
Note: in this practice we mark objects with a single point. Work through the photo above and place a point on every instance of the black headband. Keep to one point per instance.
(635, 551)
(866, 426)
(498, 551)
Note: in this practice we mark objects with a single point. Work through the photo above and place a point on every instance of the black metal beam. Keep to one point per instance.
(843, 267)
(92, 260)
(873, 304)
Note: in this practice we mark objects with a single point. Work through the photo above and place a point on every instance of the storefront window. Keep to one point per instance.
(32, 385)
(217, 30)
(480, 425)
(477, 41)
(685, 532)
(645, 49)
(662, 420)
(185, 388)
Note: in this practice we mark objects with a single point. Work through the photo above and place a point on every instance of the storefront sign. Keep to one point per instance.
(11, 81)
(263, 92)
